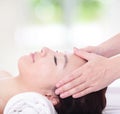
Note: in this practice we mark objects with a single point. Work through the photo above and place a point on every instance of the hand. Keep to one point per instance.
(92, 49)
(94, 75)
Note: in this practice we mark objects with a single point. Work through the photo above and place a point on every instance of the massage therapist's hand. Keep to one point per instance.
(90, 49)
(96, 74)
(99, 50)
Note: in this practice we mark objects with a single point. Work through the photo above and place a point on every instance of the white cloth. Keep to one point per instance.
(113, 101)
(112, 110)
(29, 103)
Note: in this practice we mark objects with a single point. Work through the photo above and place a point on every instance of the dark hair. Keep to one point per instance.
(93, 103)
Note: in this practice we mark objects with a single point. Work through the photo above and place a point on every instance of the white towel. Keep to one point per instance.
(29, 103)
(112, 110)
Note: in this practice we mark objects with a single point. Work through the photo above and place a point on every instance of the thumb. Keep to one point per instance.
(90, 49)
(83, 54)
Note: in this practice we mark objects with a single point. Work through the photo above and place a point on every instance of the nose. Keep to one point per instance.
(44, 51)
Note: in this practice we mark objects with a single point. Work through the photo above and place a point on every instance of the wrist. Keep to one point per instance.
(104, 51)
(100, 51)
(115, 66)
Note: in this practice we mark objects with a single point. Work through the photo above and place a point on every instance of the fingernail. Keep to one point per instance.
(74, 48)
(57, 91)
(63, 96)
(59, 84)
(74, 96)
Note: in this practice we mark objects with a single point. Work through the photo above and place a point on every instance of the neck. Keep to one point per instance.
(13, 86)
(10, 87)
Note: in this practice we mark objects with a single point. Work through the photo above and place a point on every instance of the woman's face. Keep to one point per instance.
(46, 68)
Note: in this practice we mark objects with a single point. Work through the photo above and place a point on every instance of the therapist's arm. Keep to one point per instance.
(108, 48)
(94, 75)
(97, 73)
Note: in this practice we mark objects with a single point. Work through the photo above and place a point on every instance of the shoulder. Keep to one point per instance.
(4, 74)
(29, 103)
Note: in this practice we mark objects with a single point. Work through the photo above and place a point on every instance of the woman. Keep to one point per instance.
(39, 72)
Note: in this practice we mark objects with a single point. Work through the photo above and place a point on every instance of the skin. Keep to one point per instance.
(97, 73)
(109, 48)
(34, 71)
(4, 74)
(39, 72)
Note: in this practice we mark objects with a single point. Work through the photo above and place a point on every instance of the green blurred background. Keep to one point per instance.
(28, 25)
(52, 11)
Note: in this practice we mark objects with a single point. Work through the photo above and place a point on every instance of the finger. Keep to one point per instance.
(89, 49)
(83, 92)
(75, 48)
(75, 74)
(70, 92)
(68, 86)
(85, 55)
(66, 80)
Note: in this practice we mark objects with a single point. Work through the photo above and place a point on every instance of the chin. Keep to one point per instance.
(23, 63)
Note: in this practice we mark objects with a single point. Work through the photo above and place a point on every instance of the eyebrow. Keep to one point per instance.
(66, 60)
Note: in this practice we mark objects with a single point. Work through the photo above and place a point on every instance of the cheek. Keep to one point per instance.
(41, 72)
(59, 75)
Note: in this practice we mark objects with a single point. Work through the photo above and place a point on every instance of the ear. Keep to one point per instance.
(53, 98)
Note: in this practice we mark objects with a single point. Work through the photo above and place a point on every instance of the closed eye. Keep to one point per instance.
(55, 60)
